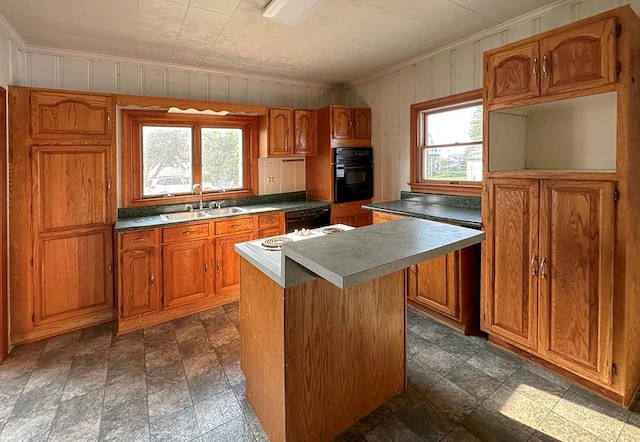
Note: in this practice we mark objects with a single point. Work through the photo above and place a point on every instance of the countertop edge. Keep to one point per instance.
(461, 222)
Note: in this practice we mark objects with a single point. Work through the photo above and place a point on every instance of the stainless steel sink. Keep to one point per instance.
(226, 211)
(200, 214)
(183, 216)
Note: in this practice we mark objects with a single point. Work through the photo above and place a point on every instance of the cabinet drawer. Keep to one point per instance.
(186, 232)
(382, 217)
(269, 221)
(138, 239)
(234, 225)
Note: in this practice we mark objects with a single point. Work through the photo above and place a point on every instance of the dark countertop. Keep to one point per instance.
(146, 222)
(463, 216)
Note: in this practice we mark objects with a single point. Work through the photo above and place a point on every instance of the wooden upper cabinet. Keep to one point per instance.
(570, 60)
(306, 132)
(69, 116)
(513, 74)
(576, 276)
(510, 290)
(362, 128)
(579, 58)
(292, 132)
(350, 124)
(280, 132)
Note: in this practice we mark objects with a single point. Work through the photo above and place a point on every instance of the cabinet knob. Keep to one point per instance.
(206, 267)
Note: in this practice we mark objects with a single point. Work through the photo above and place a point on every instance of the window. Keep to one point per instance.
(446, 146)
(164, 155)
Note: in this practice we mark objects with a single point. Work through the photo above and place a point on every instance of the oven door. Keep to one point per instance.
(353, 182)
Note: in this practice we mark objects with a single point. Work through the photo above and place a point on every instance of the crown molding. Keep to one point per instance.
(10, 32)
(459, 43)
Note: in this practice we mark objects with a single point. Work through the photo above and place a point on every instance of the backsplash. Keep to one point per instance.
(247, 201)
(470, 202)
(278, 175)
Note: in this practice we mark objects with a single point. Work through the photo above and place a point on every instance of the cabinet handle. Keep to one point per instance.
(186, 232)
(350, 124)
(534, 265)
(414, 269)
(545, 72)
(136, 239)
(270, 221)
(235, 226)
(152, 279)
(206, 267)
(543, 268)
(218, 266)
(110, 267)
(535, 68)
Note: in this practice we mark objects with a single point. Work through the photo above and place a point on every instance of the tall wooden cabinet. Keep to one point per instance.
(560, 278)
(62, 196)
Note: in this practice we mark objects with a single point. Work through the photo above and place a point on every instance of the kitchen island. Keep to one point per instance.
(323, 323)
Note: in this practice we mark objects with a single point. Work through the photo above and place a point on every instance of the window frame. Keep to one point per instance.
(134, 119)
(417, 183)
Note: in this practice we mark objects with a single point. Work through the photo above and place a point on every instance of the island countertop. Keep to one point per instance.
(463, 216)
(349, 258)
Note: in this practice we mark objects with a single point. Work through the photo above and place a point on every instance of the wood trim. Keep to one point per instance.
(132, 121)
(166, 103)
(4, 294)
(447, 188)
(555, 175)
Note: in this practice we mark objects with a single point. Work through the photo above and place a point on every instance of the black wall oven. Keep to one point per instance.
(353, 174)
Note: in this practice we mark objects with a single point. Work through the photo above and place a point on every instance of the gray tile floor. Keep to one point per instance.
(181, 381)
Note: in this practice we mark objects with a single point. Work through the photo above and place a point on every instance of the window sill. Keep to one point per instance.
(445, 188)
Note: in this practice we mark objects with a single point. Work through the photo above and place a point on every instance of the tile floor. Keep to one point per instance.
(181, 381)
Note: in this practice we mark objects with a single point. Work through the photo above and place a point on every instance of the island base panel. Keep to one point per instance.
(332, 357)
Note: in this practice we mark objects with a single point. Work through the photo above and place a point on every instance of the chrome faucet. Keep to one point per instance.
(216, 204)
(198, 186)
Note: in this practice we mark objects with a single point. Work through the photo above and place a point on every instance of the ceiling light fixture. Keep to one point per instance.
(290, 12)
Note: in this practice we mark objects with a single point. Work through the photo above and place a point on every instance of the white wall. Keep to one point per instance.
(451, 70)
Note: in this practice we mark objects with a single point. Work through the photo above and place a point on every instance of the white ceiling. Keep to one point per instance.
(341, 41)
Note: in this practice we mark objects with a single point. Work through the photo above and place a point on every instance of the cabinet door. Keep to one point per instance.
(341, 124)
(576, 279)
(579, 58)
(280, 132)
(363, 219)
(186, 272)
(513, 74)
(434, 284)
(306, 134)
(69, 115)
(362, 127)
(228, 262)
(139, 282)
(73, 274)
(509, 301)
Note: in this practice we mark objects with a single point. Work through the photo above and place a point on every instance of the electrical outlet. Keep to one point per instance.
(271, 179)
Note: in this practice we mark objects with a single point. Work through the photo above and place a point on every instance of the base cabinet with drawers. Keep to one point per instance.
(168, 272)
(446, 287)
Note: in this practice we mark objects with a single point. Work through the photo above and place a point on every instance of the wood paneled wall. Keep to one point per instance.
(451, 70)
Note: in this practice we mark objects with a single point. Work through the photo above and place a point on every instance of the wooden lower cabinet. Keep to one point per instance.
(351, 214)
(446, 287)
(549, 271)
(139, 292)
(186, 272)
(228, 262)
(166, 273)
